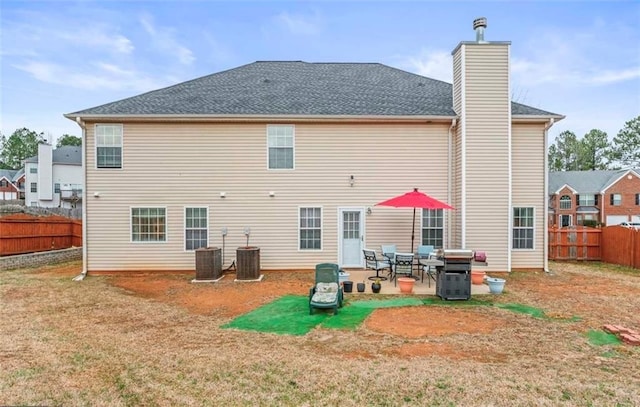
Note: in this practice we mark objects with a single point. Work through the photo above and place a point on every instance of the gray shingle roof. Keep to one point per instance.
(585, 182)
(8, 174)
(71, 155)
(299, 88)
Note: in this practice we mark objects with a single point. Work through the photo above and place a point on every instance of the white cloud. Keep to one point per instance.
(300, 24)
(97, 37)
(100, 76)
(163, 39)
(434, 64)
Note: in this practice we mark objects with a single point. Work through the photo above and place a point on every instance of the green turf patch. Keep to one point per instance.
(600, 338)
(288, 315)
(523, 309)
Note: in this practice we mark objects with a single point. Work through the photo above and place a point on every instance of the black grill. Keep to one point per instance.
(453, 280)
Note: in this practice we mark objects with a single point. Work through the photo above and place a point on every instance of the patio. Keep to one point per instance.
(388, 287)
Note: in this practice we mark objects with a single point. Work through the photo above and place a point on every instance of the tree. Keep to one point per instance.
(626, 145)
(22, 144)
(593, 151)
(563, 156)
(555, 163)
(68, 140)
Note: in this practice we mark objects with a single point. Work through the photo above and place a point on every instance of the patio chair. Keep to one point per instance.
(326, 292)
(388, 251)
(373, 262)
(424, 252)
(402, 265)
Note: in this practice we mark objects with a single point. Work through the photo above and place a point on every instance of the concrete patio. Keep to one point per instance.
(388, 287)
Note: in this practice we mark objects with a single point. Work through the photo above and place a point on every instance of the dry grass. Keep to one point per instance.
(102, 342)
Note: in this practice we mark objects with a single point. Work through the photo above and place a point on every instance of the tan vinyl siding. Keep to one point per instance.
(178, 165)
(487, 127)
(457, 81)
(456, 216)
(528, 188)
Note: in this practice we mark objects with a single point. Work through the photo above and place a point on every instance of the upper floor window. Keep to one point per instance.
(565, 202)
(3, 183)
(432, 227)
(616, 199)
(523, 228)
(109, 145)
(34, 187)
(637, 199)
(310, 229)
(33, 170)
(196, 228)
(56, 188)
(148, 224)
(587, 200)
(280, 141)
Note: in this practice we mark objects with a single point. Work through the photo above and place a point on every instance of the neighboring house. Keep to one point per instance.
(8, 189)
(602, 197)
(54, 178)
(297, 154)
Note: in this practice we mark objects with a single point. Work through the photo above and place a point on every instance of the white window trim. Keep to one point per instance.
(321, 228)
(444, 228)
(166, 224)
(95, 146)
(520, 249)
(184, 225)
(561, 201)
(584, 203)
(614, 199)
(293, 142)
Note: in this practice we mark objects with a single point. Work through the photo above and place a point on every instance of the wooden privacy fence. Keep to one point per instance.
(621, 245)
(23, 233)
(579, 243)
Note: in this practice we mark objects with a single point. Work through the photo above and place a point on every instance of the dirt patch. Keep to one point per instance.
(420, 322)
(225, 298)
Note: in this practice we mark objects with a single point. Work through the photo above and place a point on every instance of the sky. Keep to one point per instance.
(580, 59)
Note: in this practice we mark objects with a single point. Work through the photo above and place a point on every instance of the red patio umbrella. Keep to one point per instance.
(415, 199)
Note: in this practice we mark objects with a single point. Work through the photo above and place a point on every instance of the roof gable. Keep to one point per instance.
(584, 182)
(299, 88)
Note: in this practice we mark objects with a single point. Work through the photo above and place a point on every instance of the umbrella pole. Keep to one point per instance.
(413, 227)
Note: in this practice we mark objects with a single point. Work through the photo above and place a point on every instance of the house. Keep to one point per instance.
(54, 178)
(293, 156)
(594, 197)
(9, 191)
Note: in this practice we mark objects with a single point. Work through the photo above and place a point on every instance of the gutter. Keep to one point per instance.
(546, 200)
(83, 274)
(450, 175)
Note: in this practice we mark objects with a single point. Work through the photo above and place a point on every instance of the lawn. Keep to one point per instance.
(156, 339)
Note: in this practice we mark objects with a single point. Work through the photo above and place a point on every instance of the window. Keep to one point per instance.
(432, 227)
(522, 228)
(33, 170)
(637, 199)
(280, 142)
(56, 188)
(3, 183)
(310, 228)
(616, 199)
(109, 145)
(34, 187)
(587, 200)
(196, 228)
(565, 202)
(148, 225)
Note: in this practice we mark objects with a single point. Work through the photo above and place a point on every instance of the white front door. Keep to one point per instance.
(351, 236)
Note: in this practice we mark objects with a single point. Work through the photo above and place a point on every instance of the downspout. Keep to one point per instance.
(83, 126)
(450, 176)
(546, 195)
